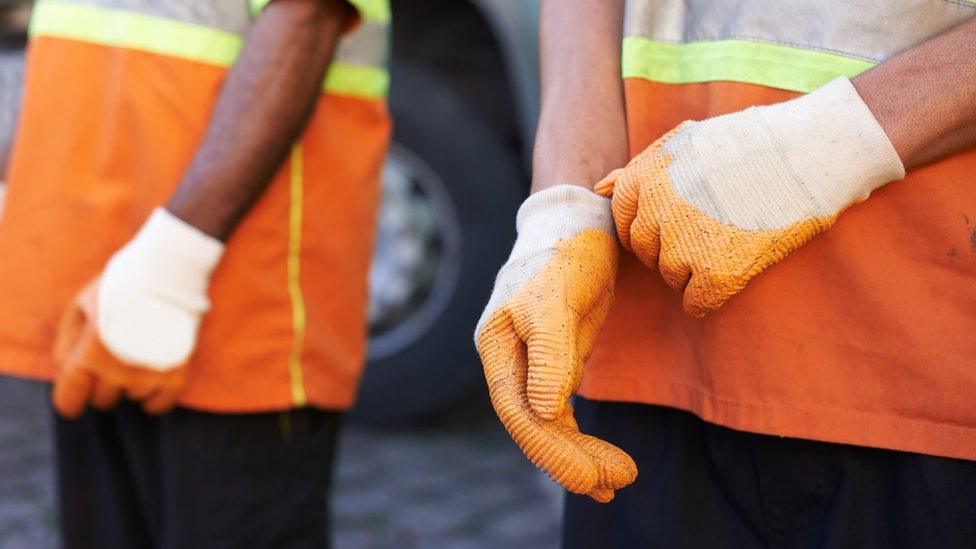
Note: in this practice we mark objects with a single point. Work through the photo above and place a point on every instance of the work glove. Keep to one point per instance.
(712, 204)
(549, 302)
(131, 331)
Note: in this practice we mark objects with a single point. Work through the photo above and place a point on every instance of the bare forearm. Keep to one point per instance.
(925, 98)
(4, 158)
(265, 104)
(582, 128)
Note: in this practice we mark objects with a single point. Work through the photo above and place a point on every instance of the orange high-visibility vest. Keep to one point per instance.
(117, 96)
(863, 336)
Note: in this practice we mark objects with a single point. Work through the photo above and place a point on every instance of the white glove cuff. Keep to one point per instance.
(557, 213)
(153, 293)
(545, 218)
(833, 144)
(172, 257)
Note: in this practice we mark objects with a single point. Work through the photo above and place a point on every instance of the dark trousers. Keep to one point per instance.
(195, 480)
(705, 486)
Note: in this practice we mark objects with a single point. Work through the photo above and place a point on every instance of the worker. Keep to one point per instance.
(789, 358)
(184, 251)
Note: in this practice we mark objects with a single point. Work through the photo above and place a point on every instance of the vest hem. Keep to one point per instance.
(835, 426)
(34, 367)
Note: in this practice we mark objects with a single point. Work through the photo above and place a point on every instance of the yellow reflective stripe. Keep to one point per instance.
(126, 29)
(370, 10)
(257, 6)
(356, 80)
(373, 10)
(136, 31)
(770, 65)
(294, 277)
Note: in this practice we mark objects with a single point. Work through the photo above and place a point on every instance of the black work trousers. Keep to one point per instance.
(195, 480)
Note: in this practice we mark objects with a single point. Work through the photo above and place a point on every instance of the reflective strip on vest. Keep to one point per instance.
(797, 46)
(359, 67)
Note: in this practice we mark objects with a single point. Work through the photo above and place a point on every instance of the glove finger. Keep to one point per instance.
(601, 495)
(632, 184)
(675, 236)
(548, 315)
(141, 384)
(71, 391)
(170, 388)
(160, 402)
(71, 329)
(624, 206)
(140, 389)
(502, 355)
(606, 185)
(615, 467)
(505, 361)
(554, 365)
(675, 273)
(645, 235)
(553, 451)
(569, 419)
(590, 326)
(105, 395)
(704, 295)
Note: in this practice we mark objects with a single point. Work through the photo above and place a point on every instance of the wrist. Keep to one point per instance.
(833, 145)
(769, 167)
(173, 257)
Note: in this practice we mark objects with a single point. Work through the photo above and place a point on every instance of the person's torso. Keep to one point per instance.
(118, 94)
(862, 336)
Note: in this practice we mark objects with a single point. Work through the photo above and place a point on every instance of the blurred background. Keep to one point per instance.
(423, 461)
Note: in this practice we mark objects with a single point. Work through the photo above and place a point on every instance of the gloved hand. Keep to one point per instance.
(131, 331)
(549, 302)
(712, 204)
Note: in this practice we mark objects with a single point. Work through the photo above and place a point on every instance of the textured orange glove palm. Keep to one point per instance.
(130, 332)
(712, 204)
(89, 374)
(550, 301)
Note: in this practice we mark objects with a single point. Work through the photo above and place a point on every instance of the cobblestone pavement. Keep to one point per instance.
(457, 482)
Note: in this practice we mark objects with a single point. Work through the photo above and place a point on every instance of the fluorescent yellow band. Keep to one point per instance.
(136, 31)
(770, 65)
(375, 10)
(356, 80)
(126, 29)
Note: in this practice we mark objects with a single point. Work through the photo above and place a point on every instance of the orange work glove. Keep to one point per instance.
(549, 302)
(131, 331)
(714, 203)
(89, 373)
